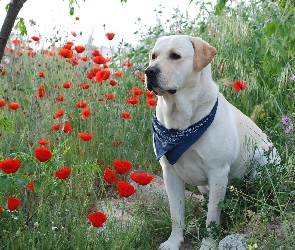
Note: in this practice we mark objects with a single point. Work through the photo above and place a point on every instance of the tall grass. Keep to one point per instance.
(54, 216)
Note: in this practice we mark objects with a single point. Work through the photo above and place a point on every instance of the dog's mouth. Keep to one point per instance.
(152, 74)
(151, 86)
(160, 91)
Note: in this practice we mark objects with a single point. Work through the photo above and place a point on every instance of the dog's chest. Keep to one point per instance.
(191, 168)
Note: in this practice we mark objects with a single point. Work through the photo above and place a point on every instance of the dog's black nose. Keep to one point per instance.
(152, 71)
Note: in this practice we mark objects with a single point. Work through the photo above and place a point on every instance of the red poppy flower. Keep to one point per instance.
(110, 97)
(56, 127)
(136, 91)
(60, 98)
(43, 142)
(30, 186)
(59, 113)
(89, 76)
(3, 72)
(1, 209)
(31, 53)
(96, 52)
(41, 73)
(77, 18)
(122, 166)
(126, 115)
(102, 75)
(93, 72)
(63, 173)
(116, 144)
(86, 113)
(110, 36)
(81, 152)
(139, 75)
(35, 38)
(125, 189)
(151, 103)
(67, 85)
(67, 128)
(74, 34)
(109, 175)
(97, 219)
(14, 105)
(132, 100)
(100, 162)
(239, 85)
(79, 48)
(119, 74)
(10, 166)
(81, 104)
(84, 58)
(67, 53)
(99, 60)
(16, 42)
(141, 178)
(150, 94)
(68, 45)
(73, 61)
(41, 91)
(85, 136)
(2, 103)
(13, 203)
(113, 82)
(10, 50)
(42, 154)
(128, 64)
(84, 85)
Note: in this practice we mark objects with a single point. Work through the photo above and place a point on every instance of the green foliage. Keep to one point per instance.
(21, 26)
(72, 11)
(5, 124)
(220, 6)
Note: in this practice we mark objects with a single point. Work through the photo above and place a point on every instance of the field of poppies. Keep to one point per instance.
(75, 125)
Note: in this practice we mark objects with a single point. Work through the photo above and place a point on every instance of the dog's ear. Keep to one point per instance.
(203, 53)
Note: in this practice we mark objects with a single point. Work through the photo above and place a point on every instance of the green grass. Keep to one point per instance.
(54, 216)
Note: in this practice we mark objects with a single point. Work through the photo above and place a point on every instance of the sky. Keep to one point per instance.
(53, 16)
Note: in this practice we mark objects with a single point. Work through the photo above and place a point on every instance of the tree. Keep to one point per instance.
(13, 9)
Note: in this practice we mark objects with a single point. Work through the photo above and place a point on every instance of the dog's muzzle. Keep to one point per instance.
(152, 74)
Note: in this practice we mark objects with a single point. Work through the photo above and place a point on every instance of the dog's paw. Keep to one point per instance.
(171, 244)
(208, 244)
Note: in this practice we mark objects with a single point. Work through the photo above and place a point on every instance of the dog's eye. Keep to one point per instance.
(175, 56)
(153, 56)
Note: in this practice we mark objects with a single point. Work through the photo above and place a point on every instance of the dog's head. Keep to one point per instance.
(175, 59)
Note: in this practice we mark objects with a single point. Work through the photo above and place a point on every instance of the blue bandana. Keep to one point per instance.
(173, 142)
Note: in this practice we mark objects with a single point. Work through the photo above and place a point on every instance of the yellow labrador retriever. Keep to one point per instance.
(199, 137)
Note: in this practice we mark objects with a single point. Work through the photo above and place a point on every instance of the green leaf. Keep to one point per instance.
(279, 48)
(270, 28)
(22, 27)
(20, 180)
(6, 181)
(37, 185)
(93, 167)
(72, 11)
(219, 7)
(5, 124)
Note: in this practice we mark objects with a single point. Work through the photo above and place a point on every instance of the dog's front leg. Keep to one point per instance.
(175, 191)
(218, 180)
